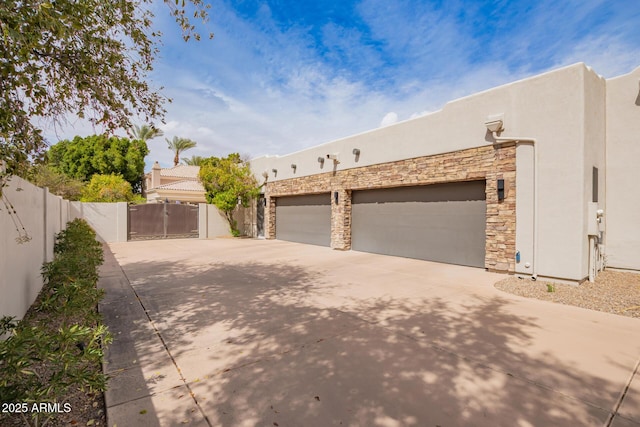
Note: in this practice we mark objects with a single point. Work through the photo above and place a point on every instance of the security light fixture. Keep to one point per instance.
(356, 151)
(275, 171)
(294, 166)
(500, 189)
(495, 123)
(321, 160)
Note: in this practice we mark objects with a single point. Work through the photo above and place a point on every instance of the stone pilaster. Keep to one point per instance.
(341, 220)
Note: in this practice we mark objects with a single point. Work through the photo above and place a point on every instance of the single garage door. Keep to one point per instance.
(304, 219)
(441, 222)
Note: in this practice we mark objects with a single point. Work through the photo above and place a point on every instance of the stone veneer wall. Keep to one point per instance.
(483, 163)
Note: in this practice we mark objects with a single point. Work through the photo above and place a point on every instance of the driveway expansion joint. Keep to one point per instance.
(614, 414)
(164, 344)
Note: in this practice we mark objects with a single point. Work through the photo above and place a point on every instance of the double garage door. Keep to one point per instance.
(441, 222)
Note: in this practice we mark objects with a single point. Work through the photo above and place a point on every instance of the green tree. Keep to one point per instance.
(58, 183)
(81, 158)
(107, 188)
(91, 58)
(178, 145)
(145, 132)
(228, 182)
(193, 161)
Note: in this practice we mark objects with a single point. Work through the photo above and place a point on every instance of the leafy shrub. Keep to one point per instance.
(60, 341)
(107, 188)
(57, 182)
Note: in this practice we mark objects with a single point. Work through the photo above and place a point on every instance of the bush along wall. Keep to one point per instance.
(57, 348)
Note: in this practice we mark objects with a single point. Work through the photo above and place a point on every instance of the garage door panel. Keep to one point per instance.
(304, 219)
(444, 223)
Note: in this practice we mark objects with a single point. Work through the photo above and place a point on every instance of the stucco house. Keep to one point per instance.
(538, 178)
(177, 184)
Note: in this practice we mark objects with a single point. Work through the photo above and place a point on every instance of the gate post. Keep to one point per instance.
(122, 221)
(203, 221)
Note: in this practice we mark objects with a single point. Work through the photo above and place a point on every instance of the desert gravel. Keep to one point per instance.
(613, 292)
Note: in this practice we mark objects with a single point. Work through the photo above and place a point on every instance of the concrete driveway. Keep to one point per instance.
(233, 332)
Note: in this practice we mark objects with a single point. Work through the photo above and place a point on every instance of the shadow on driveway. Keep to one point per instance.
(255, 347)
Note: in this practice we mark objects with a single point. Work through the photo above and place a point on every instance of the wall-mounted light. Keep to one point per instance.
(356, 151)
(335, 197)
(495, 123)
(501, 189)
(321, 160)
(275, 171)
(294, 167)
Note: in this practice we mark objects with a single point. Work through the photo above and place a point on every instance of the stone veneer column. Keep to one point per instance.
(341, 220)
(501, 214)
(270, 218)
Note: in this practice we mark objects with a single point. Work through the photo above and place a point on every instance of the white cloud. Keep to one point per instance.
(608, 55)
(389, 119)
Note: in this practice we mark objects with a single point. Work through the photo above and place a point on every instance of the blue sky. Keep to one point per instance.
(284, 75)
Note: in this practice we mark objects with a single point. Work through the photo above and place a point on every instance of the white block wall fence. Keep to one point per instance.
(43, 216)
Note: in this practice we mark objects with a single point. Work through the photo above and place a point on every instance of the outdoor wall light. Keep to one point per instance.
(356, 151)
(495, 123)
(294, 166)
(274, 171)
(501, 189)
(335, 196)
(321, 160)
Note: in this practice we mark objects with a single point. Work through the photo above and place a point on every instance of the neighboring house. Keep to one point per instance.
(177, 184)
(519, 179)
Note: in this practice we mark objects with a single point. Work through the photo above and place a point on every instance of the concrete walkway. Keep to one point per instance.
(234, 332)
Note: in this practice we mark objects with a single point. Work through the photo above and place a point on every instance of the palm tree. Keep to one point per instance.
(178, 145)
(193, 161)
(145, 132)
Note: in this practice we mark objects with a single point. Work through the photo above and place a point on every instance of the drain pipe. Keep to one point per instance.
(500, 140)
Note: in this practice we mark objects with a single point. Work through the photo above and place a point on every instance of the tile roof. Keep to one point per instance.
(186, 185)
(181, 171)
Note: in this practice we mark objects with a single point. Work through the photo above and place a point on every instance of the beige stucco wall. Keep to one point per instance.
(109, 220)
(41, 214)
(594, 153)
(558, 109)
(622, 215)
(211, 222)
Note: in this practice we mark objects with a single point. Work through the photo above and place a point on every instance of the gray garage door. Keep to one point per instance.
(442, 222)
(304, 219)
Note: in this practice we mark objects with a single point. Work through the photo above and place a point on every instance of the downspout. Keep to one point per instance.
(499, 140)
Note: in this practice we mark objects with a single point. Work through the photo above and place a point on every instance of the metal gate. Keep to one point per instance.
(162, 221)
